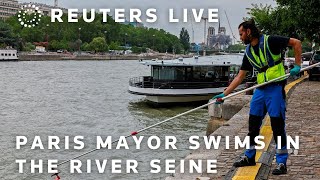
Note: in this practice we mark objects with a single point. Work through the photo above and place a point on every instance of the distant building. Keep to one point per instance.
(40, 49)
(218, 41)
(222, 30)
(211, 33)
(44, 8)
(8, 8)
(134, 24)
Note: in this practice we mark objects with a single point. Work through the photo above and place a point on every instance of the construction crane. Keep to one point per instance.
(192, 41)
(205, 31)
(234, 38)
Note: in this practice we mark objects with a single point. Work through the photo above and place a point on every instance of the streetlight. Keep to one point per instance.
(47, 33)
(46, 44)
(79, 40)
(153, 41)
(105, 32)
(125, 41)
(79, 33)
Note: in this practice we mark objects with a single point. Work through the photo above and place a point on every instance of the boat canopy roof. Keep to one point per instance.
(218, 60)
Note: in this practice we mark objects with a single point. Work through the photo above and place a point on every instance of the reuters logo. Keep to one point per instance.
(29, 16)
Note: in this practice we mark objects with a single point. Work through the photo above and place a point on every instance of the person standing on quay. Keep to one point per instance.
(264, 54)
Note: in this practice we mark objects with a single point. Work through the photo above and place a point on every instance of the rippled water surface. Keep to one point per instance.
(84, 98)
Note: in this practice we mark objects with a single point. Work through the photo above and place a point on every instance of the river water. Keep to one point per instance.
(89, 99)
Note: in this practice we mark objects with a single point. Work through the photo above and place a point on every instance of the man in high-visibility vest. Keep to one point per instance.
(264, 54)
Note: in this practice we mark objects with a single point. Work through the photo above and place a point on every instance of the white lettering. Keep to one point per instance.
(155, 166)
(227, 142)
(92, 16)
(119, 15)
(185, 15)
(170, 141)
(197, 16)
(212, 140)
(196, 166)
(53, 141)
(116, 166)
(212, 15)
(77, 140)
(21, 140)
(101, 144)
(104, 14)
(193, 140)
(55, 16)
(246, 142)
(52, 166)
(37, 143)
(170, 166)
(21, 162)
(72, 15)
(102, 167)
(75, 165)
(151, 14)
(122, 143)
(171, 18)
(137, 141)
(135, 15)
(260, 142)
(157, 145)
(132, 166)
(211, 166)
(35, 166)
(295, 143)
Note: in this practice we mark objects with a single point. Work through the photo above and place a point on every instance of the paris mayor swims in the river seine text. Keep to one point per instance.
(130, 165)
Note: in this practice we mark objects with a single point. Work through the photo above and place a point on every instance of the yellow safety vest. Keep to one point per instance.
(268, 65)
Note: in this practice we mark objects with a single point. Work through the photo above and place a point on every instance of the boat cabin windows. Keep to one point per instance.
(211, 73)
(168, 73)
(7, 54)
(193, 73)
(234, 70)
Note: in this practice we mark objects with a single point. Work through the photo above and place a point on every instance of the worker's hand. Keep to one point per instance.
(218, 98)
(295, 70)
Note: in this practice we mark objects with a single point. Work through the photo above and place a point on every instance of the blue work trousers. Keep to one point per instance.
(271, 99)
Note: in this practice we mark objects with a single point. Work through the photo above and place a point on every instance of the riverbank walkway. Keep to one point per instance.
(303, 120)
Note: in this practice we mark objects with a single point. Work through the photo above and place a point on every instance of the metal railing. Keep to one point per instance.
(148, 82)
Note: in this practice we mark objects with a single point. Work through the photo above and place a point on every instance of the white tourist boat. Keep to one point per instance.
(186, 80)
(8, 55)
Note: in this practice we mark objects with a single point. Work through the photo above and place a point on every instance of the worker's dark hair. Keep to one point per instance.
(250, 24)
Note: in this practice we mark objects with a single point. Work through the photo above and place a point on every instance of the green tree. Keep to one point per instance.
(98, 44)
(65, 35)
(6, 35)
(29, 47)
(236, 47)
(114, 46)
(306, 15)
(185, 39)
(293, 18)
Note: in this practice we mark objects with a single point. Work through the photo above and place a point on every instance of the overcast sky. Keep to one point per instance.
(235, 10)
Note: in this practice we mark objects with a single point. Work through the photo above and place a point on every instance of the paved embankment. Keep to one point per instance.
(303, 120)
(63, 56)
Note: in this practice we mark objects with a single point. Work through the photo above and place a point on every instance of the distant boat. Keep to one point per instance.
(190, 80)
(8, 55)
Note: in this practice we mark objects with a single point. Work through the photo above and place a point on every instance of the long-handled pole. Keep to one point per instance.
(263, 84)
(187, 112)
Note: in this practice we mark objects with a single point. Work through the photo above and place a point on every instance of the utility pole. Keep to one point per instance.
(204, 35)
(55, 3)
(205, 30)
